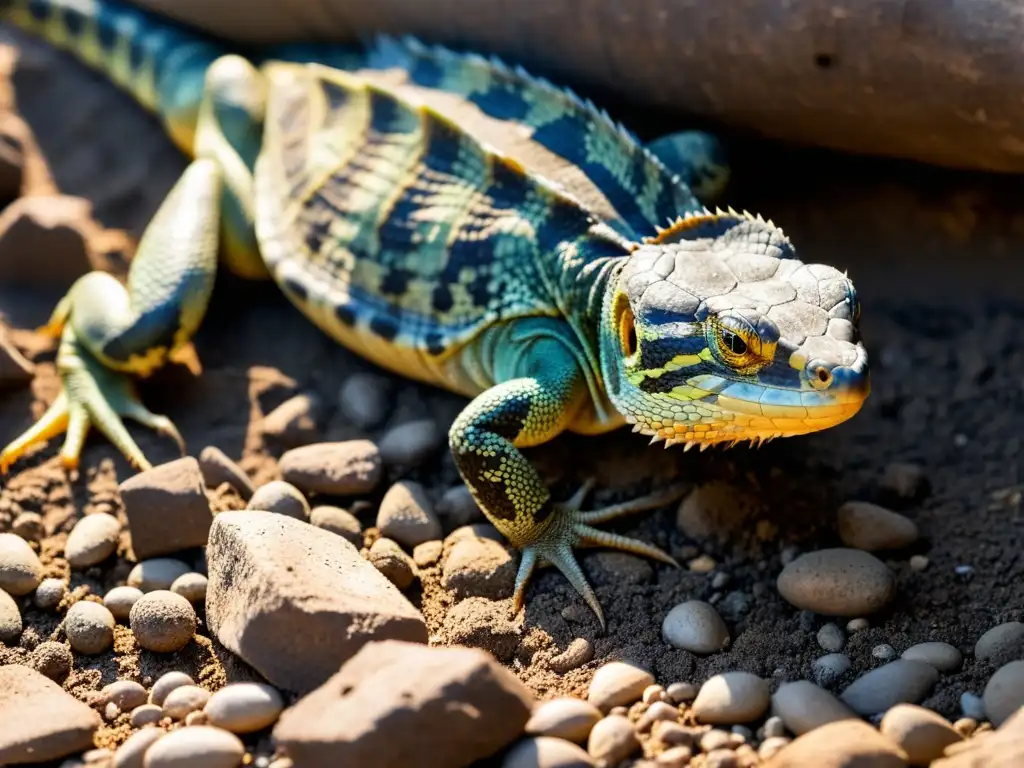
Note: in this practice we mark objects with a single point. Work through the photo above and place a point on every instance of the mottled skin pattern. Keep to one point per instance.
(464, 224)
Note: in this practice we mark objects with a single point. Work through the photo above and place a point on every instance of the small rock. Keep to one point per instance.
(191, 586)
(943, 656)
(618, 682)
(167, 508)
(458, 507)
(479, 568)
(389, 558)
(682, 693)
(406, 515)
(49, 593)
(721, 758)
(611, 740)
(965, 726)
(217, 468)
(44, 240)
(566, 718)
(281, 498)
(920, 733)
(89, 627)
(119, 601)
(410, 444)
(1004, 693)
(897, 682)
(579, 652)
(461, 704)
(157, 573)
(674, 757)
(972, 706)
(200, 746)
(918, 563)
(346, 468)
(1003, 747)
(293, 422)
(904, 480)
(653, 693)
(167, 683)
(702, 564)
(339, 521)
(803, 706)
(126, 694)
(831, 638)
(10, 619)
(364, 399)
(867, 526)
(857, 625)
(1003, 642)
(427, 553)
(845, 744)
(92, 540)
(883, 651)
(731, 697)
(52, 659)
(829, 668)
(146, 714)
(546, 752)
(695, 626)
(771, 745)
(714, 739)
(185, 699)
(39, 721)
(837, 582)
(20, 569)
(132, 752)
(657, 711)
(28, 525)
(163, 621)
(244, 707)
(477, 622)
(716, 510)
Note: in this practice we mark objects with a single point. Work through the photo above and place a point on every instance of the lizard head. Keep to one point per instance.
(713, 331)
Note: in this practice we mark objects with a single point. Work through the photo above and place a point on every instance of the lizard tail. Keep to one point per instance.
(159, 62)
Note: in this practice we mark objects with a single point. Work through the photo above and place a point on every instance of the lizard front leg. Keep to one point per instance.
(533, 406)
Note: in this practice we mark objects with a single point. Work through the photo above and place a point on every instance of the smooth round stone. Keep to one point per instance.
(897, 682)
(566, 718)
(674, 757)
(49, 593)
(29, 525)
(407, 516)
(156, 573)
(803, 706)
(867, 526)
(217, 468)
(281, 498)
(546, 752)
(658, 711)
(921, 733)
(163, 621)
(131, 754)
(682, 692)
(119, 601)
(731, 697)
(185, 699)
(883, 651)
(695, 626)
(191, 586)
(126, 694)
(837, 582)
(771, 745)
(831, 638)
(10, 619)
(829, 668)
(612, 739)
(167, 683)
(1001, 640)
(1004, 692)
(52, 659)
(943, 656)
(844, 744)
(20, 569)
(972, 706)
(392, 561)
(200, 746)
(363, 399)
(89, 627)
(146, 714)
(244, 707)
(92, 540)
(618, 683)
(339, 521)
(410, 444)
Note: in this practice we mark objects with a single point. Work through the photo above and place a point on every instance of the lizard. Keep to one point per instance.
(465, 224)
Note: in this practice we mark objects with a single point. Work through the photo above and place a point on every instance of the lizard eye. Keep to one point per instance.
(745, 344)
(732, 341)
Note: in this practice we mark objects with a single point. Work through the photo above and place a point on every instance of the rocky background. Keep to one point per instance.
(852, 595)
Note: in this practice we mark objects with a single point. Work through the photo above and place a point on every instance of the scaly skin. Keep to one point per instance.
(466, 225)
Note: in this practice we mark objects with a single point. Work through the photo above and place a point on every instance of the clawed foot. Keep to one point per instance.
(92, 396)
(570, 527)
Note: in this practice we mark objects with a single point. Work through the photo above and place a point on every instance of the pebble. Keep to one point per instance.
(167, 683)
(201, 746)
(681, 693)
(92, 540)
(217, 468)
(695, 626)
(884, 652)
(714, 739)
(364, 400)
(427, 553)
(731, 697)
(829, 668)
(119, 601)
(657, 711)
(918, 563)
(546, 752)
(126, 694)
(837, 582)
(612, 740)
(185, 699)
(163, 621)
(458, 507)
(156, 573)
(721, 758)
(339, 521)
(845, 744)
(897, 682)
(702, 564)
(281, 498)
(479, 568)
(921, 733)
(566, 718)
(715, 510)
(770, 746)
(803, 706)
(20, 569)
(831, 638)
(146, 714)
(674, 757)
(943, 656)
(293, 422)
(191, 586)
(52, 659)
(244, 707)
(1004, 692)
(392, 561)
(672, 734)
(867, 526)
(89, 627)
(965, 726)
(407, 516)
(857, 625)
(579, 652)
(410, 444)
(773, 727)
(618, 683)
(904, 480)
(131, 754)
(972, 706)
(49, 593)
(653, 693)
(10, 619)
(1004, 640)
(345, 468)
(29, 526)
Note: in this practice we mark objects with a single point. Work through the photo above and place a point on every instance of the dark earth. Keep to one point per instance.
(935, 254)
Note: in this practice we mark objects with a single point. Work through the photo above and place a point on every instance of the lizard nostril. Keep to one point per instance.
(821, 377)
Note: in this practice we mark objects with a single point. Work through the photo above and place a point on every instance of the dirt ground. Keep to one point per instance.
(936, 257)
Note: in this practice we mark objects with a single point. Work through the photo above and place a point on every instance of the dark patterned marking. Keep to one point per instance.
(106, 31)
(502, 102)
(389, 116)
(564, 222)
(346, 314)
(655, 353)
(443, 145)
(153, 330)
(395, 282)
(426, 72)
(316, 234)
(295, 288)
(384, 326)
(669, 381)
(509, 187)
(336, 95)
(137, 49)
(435, 343)
(441, 298)
(74, 21)
(38, 10)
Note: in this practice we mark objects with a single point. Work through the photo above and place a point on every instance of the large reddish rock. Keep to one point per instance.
(39, 720)
(295, 601)
(401, 704)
